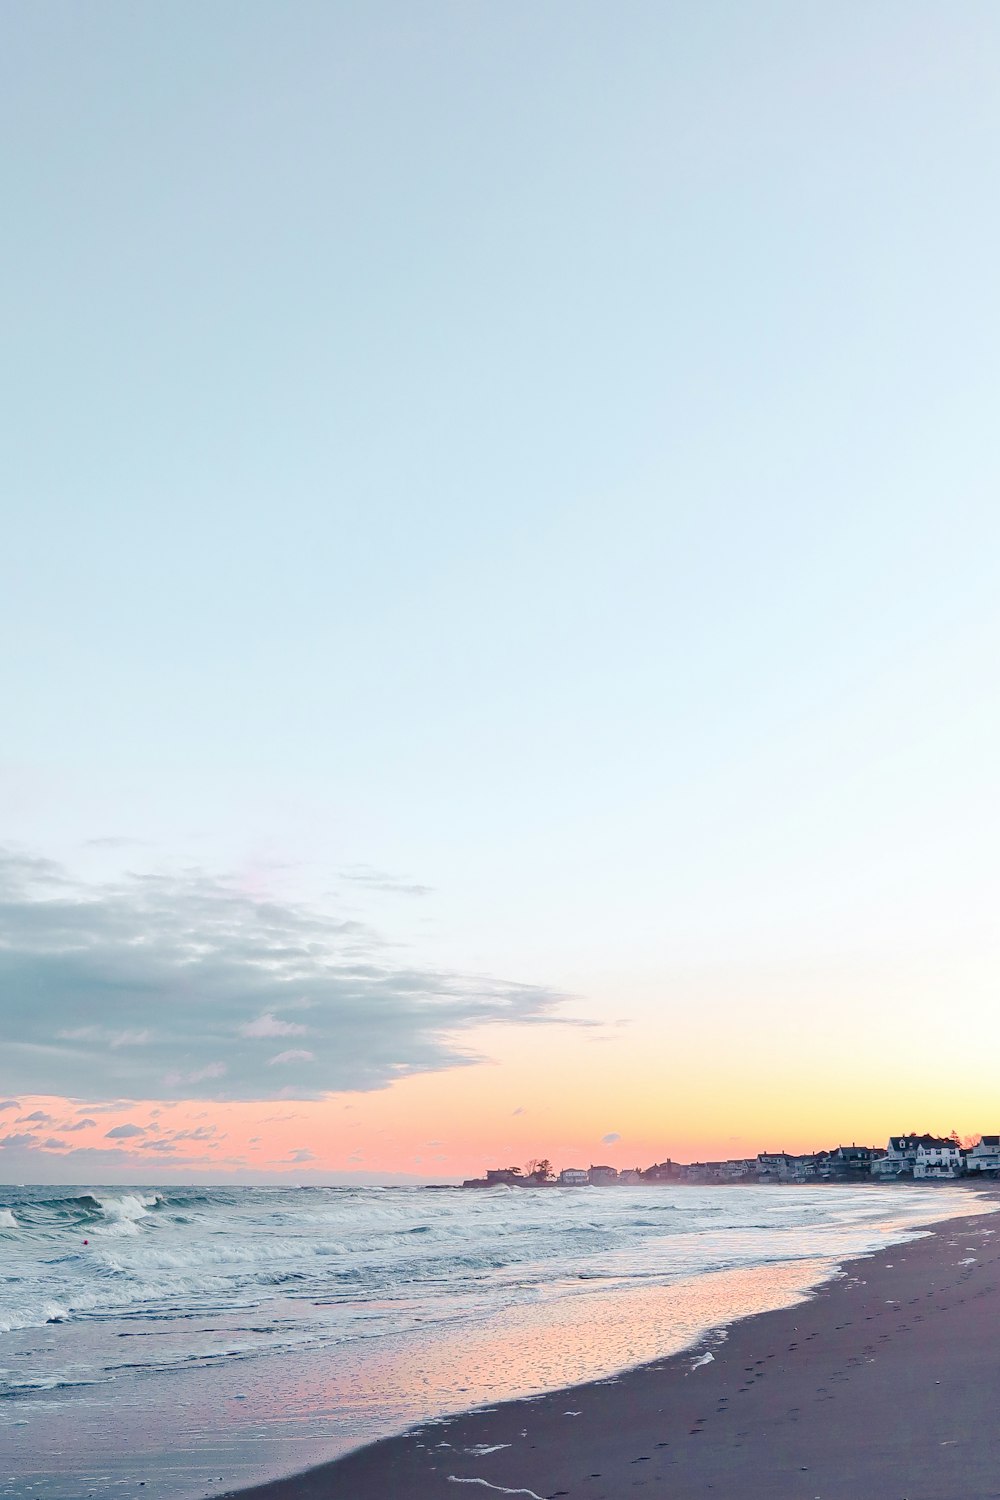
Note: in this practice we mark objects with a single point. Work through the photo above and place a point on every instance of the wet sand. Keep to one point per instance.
(882, 1386)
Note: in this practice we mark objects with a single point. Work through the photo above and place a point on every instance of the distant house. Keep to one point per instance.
(497, 1176)
(773, 1166)
(602, 1176)
(901, 1155)
(574, 1177)
(663, 1171)
(736, 1170)
(854, 1161)
(806, 1166)
(985, 1155)
(942, 1159)
(630, 1176)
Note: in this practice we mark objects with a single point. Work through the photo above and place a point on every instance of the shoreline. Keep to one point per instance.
(877, 1384)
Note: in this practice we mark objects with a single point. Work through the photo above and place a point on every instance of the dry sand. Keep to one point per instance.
(884, 1385)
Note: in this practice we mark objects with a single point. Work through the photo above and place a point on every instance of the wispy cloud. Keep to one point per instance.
(170, 986)
(113, 841)
(271, 1026)
(381, 880)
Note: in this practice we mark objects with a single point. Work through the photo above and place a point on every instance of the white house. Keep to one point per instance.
(574, 1177)
(985, 1155)
(941, 1159)
(803, 1168)
(901, 1155)
(773, 1166)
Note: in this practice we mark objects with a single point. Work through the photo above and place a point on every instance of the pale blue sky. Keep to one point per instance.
(547, 453)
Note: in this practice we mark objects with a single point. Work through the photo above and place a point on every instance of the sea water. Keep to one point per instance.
(189, 1340)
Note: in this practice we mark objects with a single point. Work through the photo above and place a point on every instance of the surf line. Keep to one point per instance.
(500, 1488)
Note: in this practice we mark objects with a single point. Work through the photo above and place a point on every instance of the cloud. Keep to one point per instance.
(302, 1154)
(134, 983)
(520, 1110)
(124, 1132)
(211, 1070)
(79, 1125)
(38, 1117)
(610, 1138)
(379, 880)
(105, 1036)
(174, 1079)
(112, 842)
(296, 1054)
(9, 1104)
(270, 1026)
(18, 1138)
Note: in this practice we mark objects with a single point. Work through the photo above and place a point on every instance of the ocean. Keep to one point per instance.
(179, 1342)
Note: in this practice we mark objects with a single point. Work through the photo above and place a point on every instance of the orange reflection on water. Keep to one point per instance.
(567, 1337)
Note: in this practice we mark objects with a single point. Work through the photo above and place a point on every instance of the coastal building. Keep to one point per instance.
(630, 1176)
(736, 1170)
(944, 1158)
(574, 1177)
(854, 1161)
(773, 1166)
(663, 1171)
(602, 1176)
(984, 1156)
(786, 1166)
(496, 1176)
(901, 1155)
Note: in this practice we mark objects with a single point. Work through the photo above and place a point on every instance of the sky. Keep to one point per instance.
(499, 585)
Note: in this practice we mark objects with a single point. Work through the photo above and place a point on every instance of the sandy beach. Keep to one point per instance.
(882, 1386)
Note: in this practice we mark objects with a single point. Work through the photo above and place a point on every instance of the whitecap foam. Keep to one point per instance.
(129, 1206)
(7, 1219)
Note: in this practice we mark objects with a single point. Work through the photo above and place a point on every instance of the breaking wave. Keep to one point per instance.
(205, 1268)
